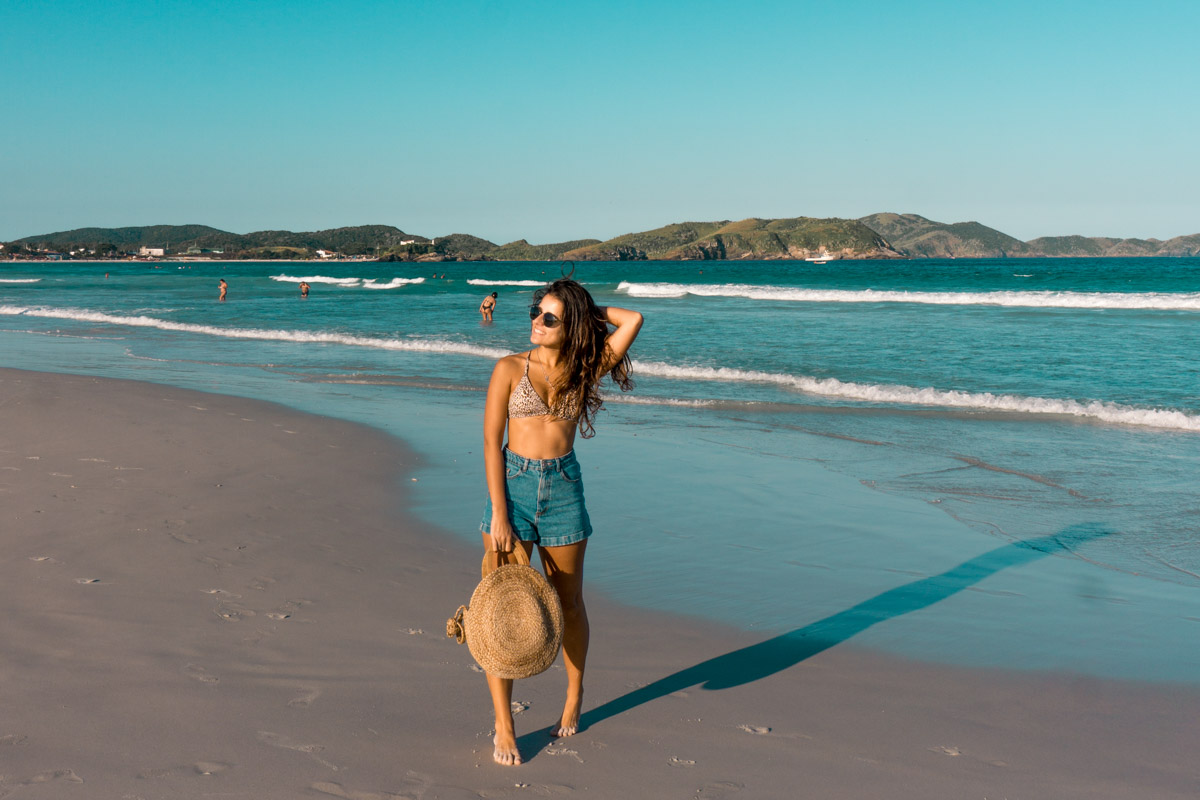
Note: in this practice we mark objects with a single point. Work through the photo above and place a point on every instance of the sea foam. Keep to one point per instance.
(394, 283)
(483, 282)
(262, 334)
(907, 395)
(890, 394)
(349, 283)
(1098, 300)
(318, 279)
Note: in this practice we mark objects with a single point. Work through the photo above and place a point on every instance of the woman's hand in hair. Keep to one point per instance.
(628, 324)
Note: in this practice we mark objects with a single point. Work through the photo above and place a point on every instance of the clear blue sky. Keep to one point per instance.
(562, 120)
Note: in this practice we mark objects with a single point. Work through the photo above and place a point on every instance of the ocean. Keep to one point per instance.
(981, 462)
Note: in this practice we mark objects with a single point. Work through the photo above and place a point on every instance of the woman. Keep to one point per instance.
(487, 306)
(535, 490)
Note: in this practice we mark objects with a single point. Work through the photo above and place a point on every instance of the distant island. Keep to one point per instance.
(875, 236)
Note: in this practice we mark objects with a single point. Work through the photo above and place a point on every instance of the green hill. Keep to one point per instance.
(171, 236)
(1104, 247)
(885, 235)
(361, 239)
(1052, 246)
(648, 244)
(916, 236)
(1181, 246)
(752, 238)
(521, 250)
(465, 245)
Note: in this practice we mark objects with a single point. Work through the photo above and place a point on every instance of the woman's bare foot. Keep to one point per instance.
(569, 724)
(506, 753)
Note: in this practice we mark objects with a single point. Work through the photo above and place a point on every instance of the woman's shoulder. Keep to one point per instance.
(511, 363)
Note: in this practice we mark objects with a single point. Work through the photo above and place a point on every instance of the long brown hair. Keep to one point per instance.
(583, 353)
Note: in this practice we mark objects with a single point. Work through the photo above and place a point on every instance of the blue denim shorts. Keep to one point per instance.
(545, 500)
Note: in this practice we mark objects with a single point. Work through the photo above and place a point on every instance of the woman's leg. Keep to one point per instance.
(505, 740)
(564, 568)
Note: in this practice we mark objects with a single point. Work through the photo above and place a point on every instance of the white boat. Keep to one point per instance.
(824, 258)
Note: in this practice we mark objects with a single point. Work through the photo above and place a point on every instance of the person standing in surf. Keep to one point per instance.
(541, 398)
(487, 307)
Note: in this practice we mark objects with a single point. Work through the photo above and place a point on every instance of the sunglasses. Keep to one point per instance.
(548, 319)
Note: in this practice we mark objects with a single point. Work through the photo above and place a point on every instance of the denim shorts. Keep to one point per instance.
(545, 500)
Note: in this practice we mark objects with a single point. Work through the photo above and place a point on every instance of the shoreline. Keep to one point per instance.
(211, 594)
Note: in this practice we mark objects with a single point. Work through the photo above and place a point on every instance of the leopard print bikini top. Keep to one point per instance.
(526, 402)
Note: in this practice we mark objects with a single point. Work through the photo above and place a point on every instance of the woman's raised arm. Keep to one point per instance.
(628, 324)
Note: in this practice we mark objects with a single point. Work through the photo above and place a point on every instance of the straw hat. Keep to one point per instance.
(514, 623)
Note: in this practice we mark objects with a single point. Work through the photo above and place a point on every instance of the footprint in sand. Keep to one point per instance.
(285, 609)
(680, 762)
(45, 560)
(563, 751)
(760, 730)
(519, 706)
(719, 789)
(232, 613)
(337, 790)
(223, 593)
(209, 767)
(87, 580)
(947, 751)
(414, 631)
(305, 698)
(260, 584)
(256, 637)
(277, 740)
(181, 537)
(12, 740)
(67, 775)
(198, 673)
(535, 789)
(215, 563)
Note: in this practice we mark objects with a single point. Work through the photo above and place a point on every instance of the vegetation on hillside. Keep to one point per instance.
(753, 238)
(521, 250)
(884, 235)
(916, 236)
(465, 245)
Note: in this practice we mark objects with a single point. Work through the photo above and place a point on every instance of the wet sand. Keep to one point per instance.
(205, 596)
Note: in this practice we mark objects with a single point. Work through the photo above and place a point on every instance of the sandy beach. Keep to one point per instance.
(206, 596)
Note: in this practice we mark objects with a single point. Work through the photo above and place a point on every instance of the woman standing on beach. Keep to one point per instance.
(535, 488)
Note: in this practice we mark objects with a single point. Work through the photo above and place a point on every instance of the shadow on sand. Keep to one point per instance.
(788, 649)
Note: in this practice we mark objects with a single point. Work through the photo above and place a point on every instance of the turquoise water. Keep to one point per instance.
(802, 438)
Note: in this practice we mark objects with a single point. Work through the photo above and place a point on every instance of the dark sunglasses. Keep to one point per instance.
(548, 319)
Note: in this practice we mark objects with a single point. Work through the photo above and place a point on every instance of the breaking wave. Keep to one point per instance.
(262, 334)
(890, 394)
(1115, 413)
(1098, 300)
(365, 283)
